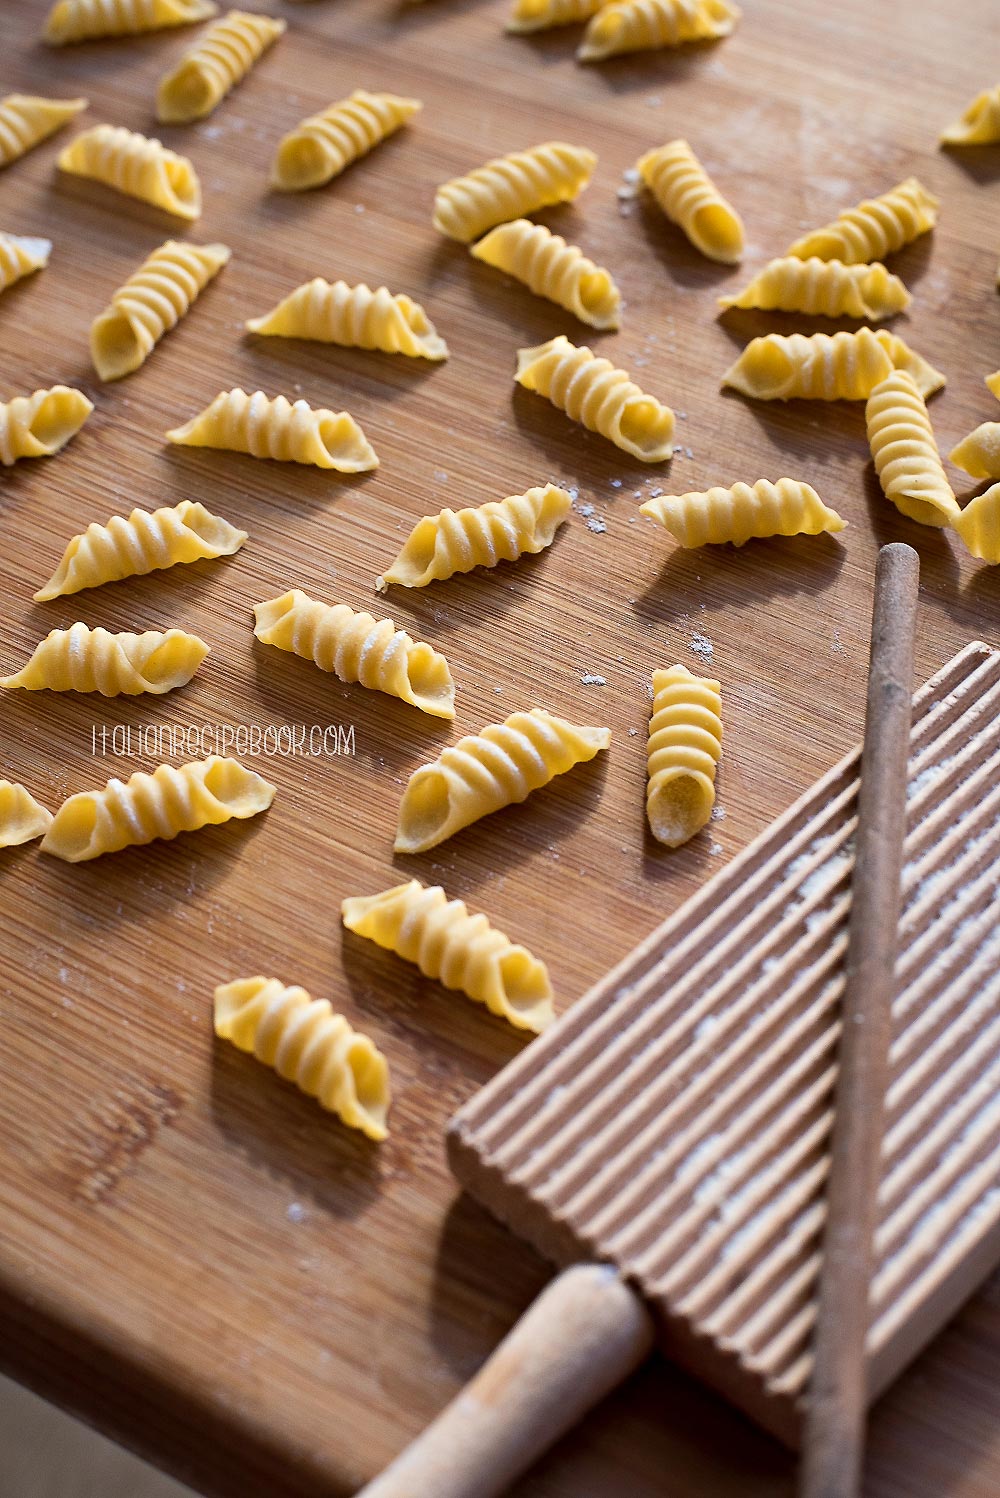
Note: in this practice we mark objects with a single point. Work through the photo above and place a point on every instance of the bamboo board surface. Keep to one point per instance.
(193, 1254)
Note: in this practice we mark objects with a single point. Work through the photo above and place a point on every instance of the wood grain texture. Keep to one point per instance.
(193, 1255)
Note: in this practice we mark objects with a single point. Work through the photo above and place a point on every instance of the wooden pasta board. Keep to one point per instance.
(193, 1255)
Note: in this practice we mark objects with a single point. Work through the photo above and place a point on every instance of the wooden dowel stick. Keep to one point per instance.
(835, 1419)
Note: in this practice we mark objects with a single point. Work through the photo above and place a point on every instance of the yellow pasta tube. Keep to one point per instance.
(140, 544)
(689, 197)
(26, 120)
(979, 525)
(460, 950)
(979, 125)
(683, 750)
(36, 426)
(510, 187)
(645, 25)
(218, 61)
(874, 228)
(743, 513)
(320, 147)
(356, 317)
(484, 772)
(22, 819)
(306, 1043)
(280, 429)
(551, 268)
(824, 366)
(979, 453)
(93, 660)
(91, 20)
(20, 256)
(459, 540)
(151, 302)
(136, 166)
(905, 453)
(541, 15)
(602, 398)
(358, 647)
(824, 288)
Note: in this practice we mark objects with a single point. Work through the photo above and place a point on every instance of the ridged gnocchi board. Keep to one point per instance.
(191, 1253)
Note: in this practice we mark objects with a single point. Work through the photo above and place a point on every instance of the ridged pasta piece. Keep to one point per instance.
(36, 426)
(690, 199)
(306, 1043)
(137, 166)
(743, 513)
(825, 366)
(511, 187)
(979, 525)
(289, 432)
(979, 125)
(824, 288)
(356, 647)
(217, 62)
(460, 950)
(94, 660)
(22, 819)
(551, 268)
(875, 228)
(321, 146)
(28, 119)
(645, 25)
(459, 540)
(484, 772)
(151, 302)
(142, 543)
(542, 15)
(92, 20)
(684, 747)
(602, 398)
(993, 384)
(905, 453)
(133, 812)
(979, 453)
(20, 256)
(356, 317)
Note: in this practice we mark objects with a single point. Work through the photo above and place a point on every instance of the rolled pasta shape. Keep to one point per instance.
(824, 288)
(22, 818)
(486, 771)
(683, 750)
(689, 197)
(321, 146)
(137, 166)
(875, 228)
(824, 366)
(144, 808)
(462, 951)
(20, 256)
(38, 425)
(306, 1043)
(600, 397)
(289, 432)
(551, 268)
(542, 15)
(979, 453)
(94, 660)
(356, 647)
(647, 25)
(28, 119)
(139, 544)
(459, 540)
(993, 384)
(980, 123)
(151, 302)
(511, 187)
(742, 513)
(218, 61)
(979, 525)
(93, 20)
(905, 453)
(355, 317)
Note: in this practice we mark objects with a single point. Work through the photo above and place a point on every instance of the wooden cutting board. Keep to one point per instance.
(194, 1256)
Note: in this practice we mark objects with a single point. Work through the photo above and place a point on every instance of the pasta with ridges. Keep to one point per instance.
(875, 228)
(551, 268)
(218, 61)
(94, 660)
(826, 366)
(92, 20)
(682, 752)
(20, 256)
(38, 425)
(824, 288)
(689, 197)
(540, 15)
(28, 119)
(510, 187)
(355, 317)
(979, 125)
(905, 453)
(151, 302)
(600, 397)
(287, 431)
(22, 818)
(321, 146)
(742, 513)
(644, 25)
(137, 166)
(979, 453)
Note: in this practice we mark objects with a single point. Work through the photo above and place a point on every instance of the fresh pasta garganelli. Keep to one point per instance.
(21, 256)
(287, 431)
(22, 818)
(978, 454)
(979, 525)
(356, 647)
(682, 752)
(551, 268)
(743, 512)
(137, 166)
(141, 543)
(690, 199)
(38, 425)
(321, 146)
(600, 397)
(979, 125)
(645, 25)
(875, 228)
(218, 61)
(92, 20)
(355, 317)
(905, 453)
(306, 1043)
(460, 950)
(459, 540)
(511, 187)
(151, 302)
(28, 119)
(94, 660)
(824, 288)
(541, 15)
(826, 366)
